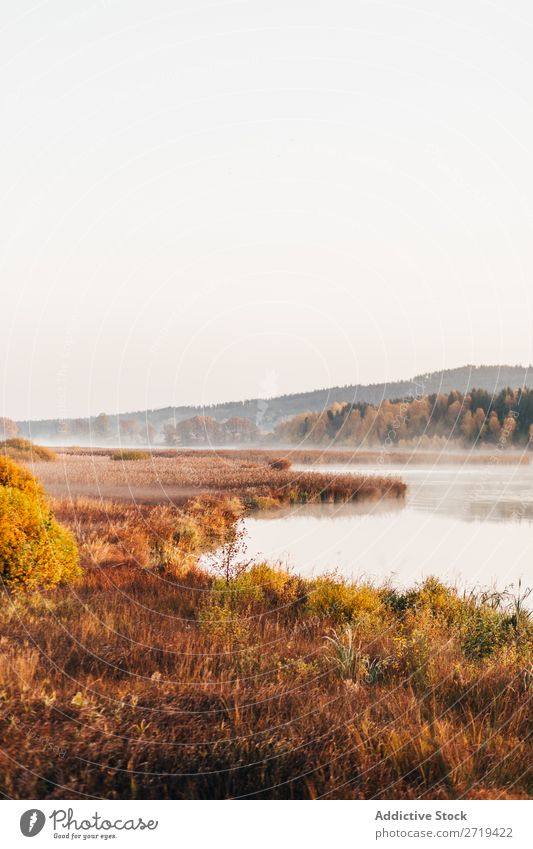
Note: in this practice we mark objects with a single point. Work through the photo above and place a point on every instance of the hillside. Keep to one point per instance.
(267, 413)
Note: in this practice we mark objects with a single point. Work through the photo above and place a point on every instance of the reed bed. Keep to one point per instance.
(192, 473)
(405, 458)
(322, 456)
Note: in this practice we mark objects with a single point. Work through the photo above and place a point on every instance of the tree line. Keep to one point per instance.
(477, 417)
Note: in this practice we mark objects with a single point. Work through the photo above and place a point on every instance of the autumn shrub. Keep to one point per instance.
(332, 598)
(440, 601)
(261, 585)
(214, 519)
(17, 477)
(280, 464)
(484, 630)
(480, 625)
(22, 449)
(130, 455)
(176, 549)
(275, 587)
(221, 620)
(35, 550)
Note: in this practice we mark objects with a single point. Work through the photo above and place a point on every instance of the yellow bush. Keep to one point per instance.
(17, 477)
(35, 551)
(261, 584)
(332, 598)
(22, 449)
(442, 601)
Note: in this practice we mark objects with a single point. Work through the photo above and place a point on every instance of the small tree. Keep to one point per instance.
(229, 562)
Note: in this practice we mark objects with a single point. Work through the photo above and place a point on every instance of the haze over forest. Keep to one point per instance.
(249, 420)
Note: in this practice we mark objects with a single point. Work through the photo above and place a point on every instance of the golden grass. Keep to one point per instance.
(188, 473)
(321, 456)
(154, 679)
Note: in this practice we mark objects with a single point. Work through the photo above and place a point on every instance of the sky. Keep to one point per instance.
(212, 201)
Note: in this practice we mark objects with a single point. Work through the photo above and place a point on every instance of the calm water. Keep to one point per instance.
(469, 525)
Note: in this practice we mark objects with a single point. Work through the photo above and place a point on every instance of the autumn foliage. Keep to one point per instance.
(468, 420)
(35, 551)
(22, 449)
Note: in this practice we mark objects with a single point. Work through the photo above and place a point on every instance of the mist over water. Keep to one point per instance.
(471, 526)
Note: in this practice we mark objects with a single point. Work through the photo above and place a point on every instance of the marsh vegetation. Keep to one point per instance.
(154, 678)
(174, 665)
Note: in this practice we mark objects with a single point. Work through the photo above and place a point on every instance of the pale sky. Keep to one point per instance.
(214, 201)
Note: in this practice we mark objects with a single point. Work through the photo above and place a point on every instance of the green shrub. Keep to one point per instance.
(482, 628)
(484, 631)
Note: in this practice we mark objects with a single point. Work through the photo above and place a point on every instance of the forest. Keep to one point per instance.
(470, 419)
(477, 417)
(153, 426)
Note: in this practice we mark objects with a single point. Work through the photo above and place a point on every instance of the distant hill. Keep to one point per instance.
(267, 412)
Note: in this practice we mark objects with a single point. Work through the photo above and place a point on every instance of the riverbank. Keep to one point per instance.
(154, 678)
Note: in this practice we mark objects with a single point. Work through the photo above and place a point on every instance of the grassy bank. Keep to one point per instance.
(155, 678)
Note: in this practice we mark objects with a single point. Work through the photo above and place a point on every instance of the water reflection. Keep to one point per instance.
(468, 525)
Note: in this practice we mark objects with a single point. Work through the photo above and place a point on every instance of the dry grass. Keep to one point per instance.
(25, 451)
(332, 456)
(322, 456)
(188, 473)
(152, 679)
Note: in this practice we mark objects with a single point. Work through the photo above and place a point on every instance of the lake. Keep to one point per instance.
(469, 525)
